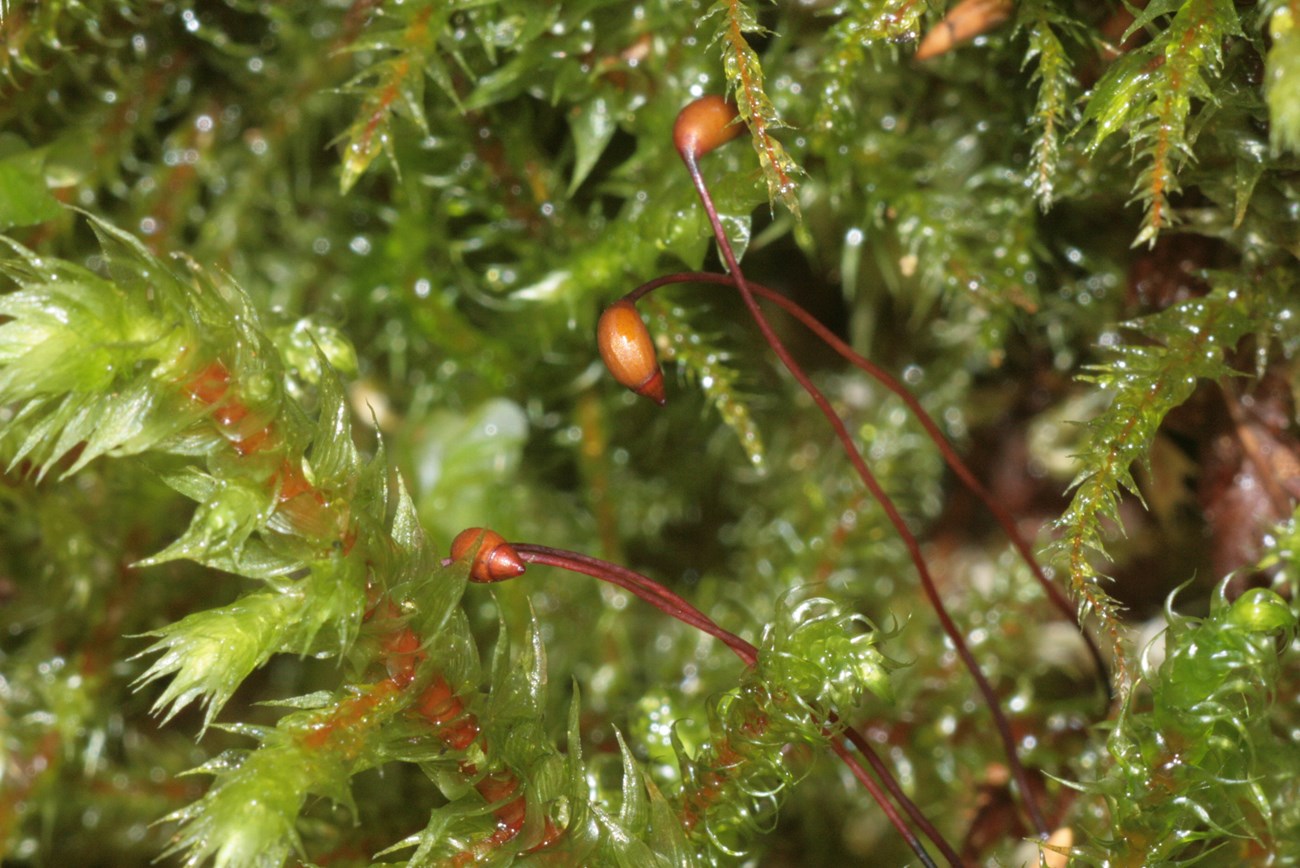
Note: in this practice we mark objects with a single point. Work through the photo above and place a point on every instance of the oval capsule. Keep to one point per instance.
(705, 124)
(629, 352)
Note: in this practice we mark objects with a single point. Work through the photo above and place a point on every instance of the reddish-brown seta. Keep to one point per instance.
(495, 560)
(629, 352)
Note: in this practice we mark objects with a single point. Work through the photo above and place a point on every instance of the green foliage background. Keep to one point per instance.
(295, 292)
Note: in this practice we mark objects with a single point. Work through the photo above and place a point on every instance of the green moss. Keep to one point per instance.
(293, 293)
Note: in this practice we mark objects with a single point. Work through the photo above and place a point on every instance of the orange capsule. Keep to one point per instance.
(629, 352)
(495, 560)
(964, 22)
(705, 124)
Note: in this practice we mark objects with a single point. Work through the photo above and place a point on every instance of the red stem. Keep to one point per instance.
(1001, 723)
(671, 603)
(872, 787)
(652, 592)
(950, 456)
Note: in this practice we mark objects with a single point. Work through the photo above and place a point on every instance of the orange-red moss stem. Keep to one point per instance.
(303, 505)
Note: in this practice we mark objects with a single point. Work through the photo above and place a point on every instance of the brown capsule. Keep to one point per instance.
(705, 124)
(495, 560)
(629, 352)
(964, 22)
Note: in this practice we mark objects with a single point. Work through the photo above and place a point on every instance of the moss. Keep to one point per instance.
(293, 293)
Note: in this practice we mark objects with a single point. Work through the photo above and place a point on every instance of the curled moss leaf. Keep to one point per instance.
(1263, 611)
(1208, 733)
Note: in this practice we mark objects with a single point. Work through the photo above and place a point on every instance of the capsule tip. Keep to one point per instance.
(494, 559)
(653, 388)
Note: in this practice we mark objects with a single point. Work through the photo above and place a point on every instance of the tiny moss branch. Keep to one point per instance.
(745, 79)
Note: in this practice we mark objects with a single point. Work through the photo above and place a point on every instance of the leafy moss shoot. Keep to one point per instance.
(959, 528)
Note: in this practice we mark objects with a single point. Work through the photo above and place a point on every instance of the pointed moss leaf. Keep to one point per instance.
(573, 732)
(1114, 99)
(502, 84)
(1147, 15)
(253, 559)
(24, 197)
(440, 74)
(319, 699)
(229, 760)
(666, 838)
(519, 679)
(248, 819)
(437, 601)
(128, 424)
(222, 523)
(207, 655)
(406, 531)
(535, 663)
(78, 421)
(592, 126)
(333, 457)
(500, 674)
(1250, 168)
(583, 831)
(130, 263)
(374, 483)
(425, 841)
(431, 591)
(193, 483)
(633, 812)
